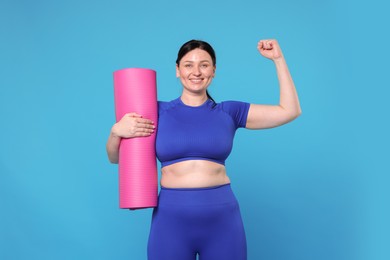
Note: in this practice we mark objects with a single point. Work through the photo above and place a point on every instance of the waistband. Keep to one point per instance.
(215, 195)
(195, 189)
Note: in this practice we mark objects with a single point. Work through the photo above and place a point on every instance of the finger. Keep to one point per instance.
(144, 132)
(143, 128)
(144, 121)
(143, 125)
(136, 132)
(261, 44)
(141, 135)
(267, 45)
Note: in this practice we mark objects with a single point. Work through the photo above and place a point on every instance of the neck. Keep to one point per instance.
(193, 100)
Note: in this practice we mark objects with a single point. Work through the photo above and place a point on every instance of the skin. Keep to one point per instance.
(196, 72)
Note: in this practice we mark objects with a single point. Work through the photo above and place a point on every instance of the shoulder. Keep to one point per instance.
(237, 110)
(231, 106)
(166, 105)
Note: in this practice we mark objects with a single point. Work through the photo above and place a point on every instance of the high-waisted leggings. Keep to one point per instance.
(203, 221)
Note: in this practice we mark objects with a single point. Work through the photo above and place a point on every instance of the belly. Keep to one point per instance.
(193, 174)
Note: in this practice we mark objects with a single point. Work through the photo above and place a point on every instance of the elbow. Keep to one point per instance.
(292, 112)
(299, 112)
(113, 160)
(295, 114)
(112, 154)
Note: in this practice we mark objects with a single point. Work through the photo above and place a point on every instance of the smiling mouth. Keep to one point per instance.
(196, 81)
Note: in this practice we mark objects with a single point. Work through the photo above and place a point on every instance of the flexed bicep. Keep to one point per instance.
(267, 116)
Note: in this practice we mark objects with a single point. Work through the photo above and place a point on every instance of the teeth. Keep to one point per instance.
(196, 80)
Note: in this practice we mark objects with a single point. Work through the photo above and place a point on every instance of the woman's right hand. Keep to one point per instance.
(133, 125)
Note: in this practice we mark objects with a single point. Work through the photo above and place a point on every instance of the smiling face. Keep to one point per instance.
(196, 71)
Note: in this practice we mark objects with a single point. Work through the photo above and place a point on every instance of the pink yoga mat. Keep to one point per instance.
(135, 91)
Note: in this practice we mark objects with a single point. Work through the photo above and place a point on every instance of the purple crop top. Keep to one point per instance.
(204, 132)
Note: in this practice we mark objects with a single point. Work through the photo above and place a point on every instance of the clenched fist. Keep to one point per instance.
(270, 49)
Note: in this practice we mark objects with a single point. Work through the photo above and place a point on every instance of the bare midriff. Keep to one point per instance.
(193, 174)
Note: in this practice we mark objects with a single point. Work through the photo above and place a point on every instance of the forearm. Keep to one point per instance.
(268, 116)
(288, 95)
(131, 125)
(112, 147)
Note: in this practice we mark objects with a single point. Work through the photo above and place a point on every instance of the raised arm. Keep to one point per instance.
(131, 125)
(268, 116)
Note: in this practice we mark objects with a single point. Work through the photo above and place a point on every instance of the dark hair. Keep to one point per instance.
(197, 44)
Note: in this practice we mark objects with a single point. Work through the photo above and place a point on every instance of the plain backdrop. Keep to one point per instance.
(314, 189)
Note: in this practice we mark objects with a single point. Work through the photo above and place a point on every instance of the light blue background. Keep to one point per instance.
(317, 188)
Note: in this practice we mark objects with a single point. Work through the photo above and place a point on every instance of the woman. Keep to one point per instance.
(197, 211)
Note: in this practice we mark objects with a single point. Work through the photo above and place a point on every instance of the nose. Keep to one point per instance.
(196, 71)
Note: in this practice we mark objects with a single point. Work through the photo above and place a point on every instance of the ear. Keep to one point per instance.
(215, 68)
(177, 71)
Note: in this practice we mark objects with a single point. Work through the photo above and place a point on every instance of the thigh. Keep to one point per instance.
(168, 238)
(226, 239)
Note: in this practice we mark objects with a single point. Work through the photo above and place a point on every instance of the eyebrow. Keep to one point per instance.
(200, 61)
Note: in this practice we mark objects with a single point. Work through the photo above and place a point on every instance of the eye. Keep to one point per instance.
(188, 65)
(205, 65)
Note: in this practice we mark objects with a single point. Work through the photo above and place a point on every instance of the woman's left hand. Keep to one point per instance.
(270, 49)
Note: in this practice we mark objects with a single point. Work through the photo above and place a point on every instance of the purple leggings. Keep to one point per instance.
(203, 221)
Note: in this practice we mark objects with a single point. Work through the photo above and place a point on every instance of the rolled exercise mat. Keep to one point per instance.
(135, 91)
